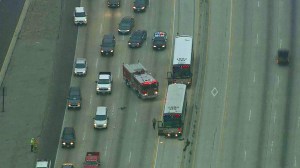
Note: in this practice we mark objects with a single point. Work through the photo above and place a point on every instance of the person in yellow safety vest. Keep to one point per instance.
(32, 143)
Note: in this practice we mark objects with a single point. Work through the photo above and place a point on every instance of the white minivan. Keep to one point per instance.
(101, 118)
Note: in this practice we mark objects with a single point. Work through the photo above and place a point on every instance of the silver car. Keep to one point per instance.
(80, 16)
(80, 67)
(101, 118)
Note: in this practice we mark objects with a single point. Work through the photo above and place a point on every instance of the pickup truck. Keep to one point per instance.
(104, 83)
(92, 160)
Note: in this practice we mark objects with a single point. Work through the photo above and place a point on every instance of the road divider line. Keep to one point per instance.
(280, 43)
(105, 150)
(14, 40)
(135, 116)
(250, 115)
(155, 153)
(129, 156)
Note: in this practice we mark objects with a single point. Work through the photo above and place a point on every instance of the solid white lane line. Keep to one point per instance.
(254, 78)
(257, 3)
(245, 155)
(129, 156)
(295, 161)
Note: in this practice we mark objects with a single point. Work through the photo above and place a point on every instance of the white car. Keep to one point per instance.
(80, 67)
(80, 16)
(101, 118)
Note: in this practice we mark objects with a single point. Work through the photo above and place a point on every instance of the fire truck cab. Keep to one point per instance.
(140, 80)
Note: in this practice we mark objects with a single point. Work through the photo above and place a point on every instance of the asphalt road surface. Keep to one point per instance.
(130, 140)
(250, 105)
(9, 16)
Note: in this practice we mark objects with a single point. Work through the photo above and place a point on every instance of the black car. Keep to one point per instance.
(140, 5)
(68, 138)
(74, 98)
(108, 45)
(159, 40)
(126, 25)
(283, 57)
(137, 38)
(113, 3)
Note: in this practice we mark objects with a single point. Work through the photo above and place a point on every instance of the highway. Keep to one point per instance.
(249, 109)
(130, 140)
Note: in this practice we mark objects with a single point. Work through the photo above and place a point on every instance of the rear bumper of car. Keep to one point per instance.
(116, 5)
(124, 31)
(103, 91)
(108, 53)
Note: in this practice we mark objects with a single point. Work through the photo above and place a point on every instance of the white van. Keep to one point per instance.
(101, 118)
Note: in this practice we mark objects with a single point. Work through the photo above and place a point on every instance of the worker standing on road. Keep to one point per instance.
(32, 143)
(153, 123)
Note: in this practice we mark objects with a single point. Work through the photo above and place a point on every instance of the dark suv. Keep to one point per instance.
(113, 3)
(74, 98)
(108, 45)
(68, 138)
(126, 25)
(283, 57)
(140, 5)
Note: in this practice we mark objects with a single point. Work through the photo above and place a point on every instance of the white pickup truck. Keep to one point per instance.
(104, 83)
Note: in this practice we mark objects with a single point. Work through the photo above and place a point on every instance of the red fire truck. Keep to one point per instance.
(140, 80)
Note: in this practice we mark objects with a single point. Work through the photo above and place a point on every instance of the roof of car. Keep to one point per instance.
(283, 53)
(138, 32)
(42, 163)
(80, 60)
(101, 110)
(79, 9)
(68, 130)
(110, 36)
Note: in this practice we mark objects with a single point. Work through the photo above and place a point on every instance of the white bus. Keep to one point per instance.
(174, 111)
(182, 60)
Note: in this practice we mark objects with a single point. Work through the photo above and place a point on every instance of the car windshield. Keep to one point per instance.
(100, 117)
(103, 81)
(107, 44)
(80, 14)
(80, 65)
(91, 163)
